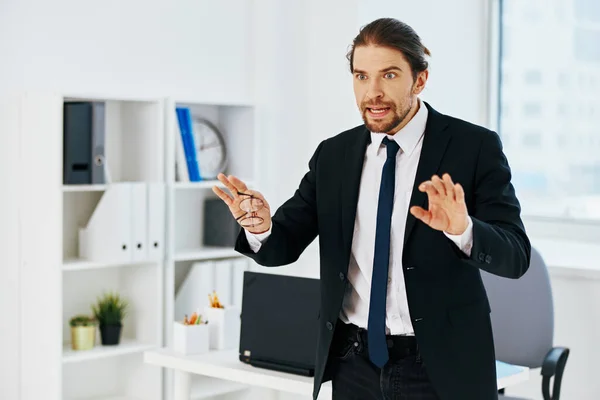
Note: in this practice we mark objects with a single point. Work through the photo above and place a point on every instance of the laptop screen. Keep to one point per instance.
(279, 319)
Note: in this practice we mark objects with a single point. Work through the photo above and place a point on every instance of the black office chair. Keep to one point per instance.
(523, 324)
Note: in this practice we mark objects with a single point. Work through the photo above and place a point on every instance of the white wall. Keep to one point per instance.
(187, 48)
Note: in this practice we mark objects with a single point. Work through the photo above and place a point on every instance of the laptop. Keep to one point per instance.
(279, 322)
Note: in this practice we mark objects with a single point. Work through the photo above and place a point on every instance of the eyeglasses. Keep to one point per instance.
(251, 205)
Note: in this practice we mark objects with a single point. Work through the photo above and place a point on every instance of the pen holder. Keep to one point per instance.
(224, 326)
(190, 339)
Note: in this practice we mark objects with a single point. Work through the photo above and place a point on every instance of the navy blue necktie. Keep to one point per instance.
(378, 351)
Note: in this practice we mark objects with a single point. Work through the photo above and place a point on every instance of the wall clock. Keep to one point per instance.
(211, 151)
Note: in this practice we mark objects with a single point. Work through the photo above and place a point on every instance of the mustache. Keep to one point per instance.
(372, 105)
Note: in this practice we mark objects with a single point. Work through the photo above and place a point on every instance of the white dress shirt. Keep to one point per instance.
(355, 307)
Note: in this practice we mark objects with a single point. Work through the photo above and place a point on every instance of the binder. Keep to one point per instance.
(98, 137)
(223, 280)
(77, 143)
(83, 142)
(156, 220)
(184, 119)
(239, 266)
(139, 221)
(107, 235)
(193, 291)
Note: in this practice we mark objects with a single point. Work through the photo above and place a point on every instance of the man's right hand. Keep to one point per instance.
(248, 207)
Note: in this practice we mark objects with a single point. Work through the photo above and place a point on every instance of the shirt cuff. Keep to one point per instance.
(465, 241)
(255, 240)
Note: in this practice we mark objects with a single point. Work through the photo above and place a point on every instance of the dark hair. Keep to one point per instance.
(390, 32)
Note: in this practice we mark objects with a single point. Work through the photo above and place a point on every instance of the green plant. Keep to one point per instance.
(110, 309)
(82, 320)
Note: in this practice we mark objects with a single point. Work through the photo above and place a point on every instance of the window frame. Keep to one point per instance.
(536, 226)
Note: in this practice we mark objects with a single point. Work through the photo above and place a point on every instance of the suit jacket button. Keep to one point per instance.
(488, 259)
(341, 276)
(481, 257)
(329, 325)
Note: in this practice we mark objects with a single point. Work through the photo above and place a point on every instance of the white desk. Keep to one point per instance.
(226, 365)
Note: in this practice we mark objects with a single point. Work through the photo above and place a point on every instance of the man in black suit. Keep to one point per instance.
(408, 208)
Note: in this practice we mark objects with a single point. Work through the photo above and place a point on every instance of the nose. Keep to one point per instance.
(374, 91)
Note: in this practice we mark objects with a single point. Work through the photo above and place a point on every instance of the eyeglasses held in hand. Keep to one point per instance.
(251, 205)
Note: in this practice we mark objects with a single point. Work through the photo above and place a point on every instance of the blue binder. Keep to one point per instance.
(184, 119)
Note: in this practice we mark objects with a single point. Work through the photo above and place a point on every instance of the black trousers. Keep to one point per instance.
(354, 377)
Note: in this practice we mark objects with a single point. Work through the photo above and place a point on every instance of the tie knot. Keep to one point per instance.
(392, 147)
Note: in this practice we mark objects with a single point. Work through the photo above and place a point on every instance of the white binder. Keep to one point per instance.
(139, 221)
(107, 235)
(156, 221)
(237, 289)
(194, 290)
(223, 280)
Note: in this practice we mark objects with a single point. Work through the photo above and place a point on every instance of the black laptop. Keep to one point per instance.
(279, 322)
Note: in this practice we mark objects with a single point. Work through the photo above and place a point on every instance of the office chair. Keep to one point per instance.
(523, 324)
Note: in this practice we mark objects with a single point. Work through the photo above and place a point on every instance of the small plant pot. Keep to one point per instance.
(83, 337)
(110, 334)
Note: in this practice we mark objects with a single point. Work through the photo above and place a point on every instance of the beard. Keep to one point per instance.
(390, 122)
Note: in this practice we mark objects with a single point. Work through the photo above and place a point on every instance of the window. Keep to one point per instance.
(554, 125)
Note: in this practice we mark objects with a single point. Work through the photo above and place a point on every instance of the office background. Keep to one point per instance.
(287, 59)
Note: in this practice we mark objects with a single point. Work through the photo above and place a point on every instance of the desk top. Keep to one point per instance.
(226, 365)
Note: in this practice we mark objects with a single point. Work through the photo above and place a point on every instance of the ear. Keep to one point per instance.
(420, 82)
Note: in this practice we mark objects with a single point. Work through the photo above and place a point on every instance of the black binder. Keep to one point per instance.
(83, 142)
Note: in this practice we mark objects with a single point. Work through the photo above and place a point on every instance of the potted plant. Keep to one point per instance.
(110, 310)
(83, 332)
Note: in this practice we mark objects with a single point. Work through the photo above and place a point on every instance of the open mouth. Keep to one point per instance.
(378, 112)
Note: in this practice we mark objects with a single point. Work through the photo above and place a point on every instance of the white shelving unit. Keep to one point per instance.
(190, 262)
(53, 283)
(134, 151)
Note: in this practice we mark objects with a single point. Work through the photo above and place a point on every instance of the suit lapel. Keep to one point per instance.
(435, 141)
(350, 175)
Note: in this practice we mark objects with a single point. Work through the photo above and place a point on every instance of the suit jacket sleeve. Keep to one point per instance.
(293, 226)
(500, 244)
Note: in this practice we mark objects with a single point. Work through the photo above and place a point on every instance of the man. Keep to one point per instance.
(408, 208)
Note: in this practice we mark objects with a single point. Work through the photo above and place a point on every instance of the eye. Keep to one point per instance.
(361, 77)
(390, 75)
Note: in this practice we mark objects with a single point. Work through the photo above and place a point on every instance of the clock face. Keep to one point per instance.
(210, 149)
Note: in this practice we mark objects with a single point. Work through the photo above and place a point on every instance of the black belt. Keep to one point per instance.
(399, 346)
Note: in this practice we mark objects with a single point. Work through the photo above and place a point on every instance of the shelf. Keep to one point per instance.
(77, 264)
(225, 364)
(205, 387)
(201, 185)
(206, 253)
(107, 398)
(84, 188)
(127, 346)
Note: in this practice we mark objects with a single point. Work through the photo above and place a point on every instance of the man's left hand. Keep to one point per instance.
(447, 209)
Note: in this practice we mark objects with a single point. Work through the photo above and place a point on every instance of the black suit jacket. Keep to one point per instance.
(447, 301)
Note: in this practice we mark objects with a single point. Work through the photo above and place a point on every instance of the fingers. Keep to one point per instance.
(429, 188)
(421, 214)
(239, 185)
(449, 186)
(443, 187)
(228, 184)
(224, 196)
(439, 185)
(460, 193)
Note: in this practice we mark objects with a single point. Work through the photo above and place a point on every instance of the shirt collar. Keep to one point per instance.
(408, 137)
